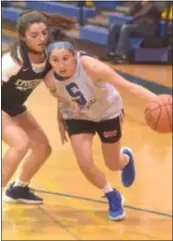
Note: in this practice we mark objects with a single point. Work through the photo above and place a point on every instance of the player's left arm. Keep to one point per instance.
(98, 70)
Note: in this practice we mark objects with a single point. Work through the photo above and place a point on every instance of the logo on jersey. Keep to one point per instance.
(108, 134)
(24, 85)
(88, 105)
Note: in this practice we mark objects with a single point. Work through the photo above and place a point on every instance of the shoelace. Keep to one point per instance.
(27, 189)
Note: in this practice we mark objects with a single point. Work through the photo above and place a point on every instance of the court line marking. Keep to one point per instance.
(151, 85)
(103, 202)
(60, 224)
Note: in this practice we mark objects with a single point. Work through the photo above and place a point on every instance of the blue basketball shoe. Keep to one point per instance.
(128, 172)
(115, 200)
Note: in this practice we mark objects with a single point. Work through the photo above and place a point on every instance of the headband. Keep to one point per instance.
(59, 45)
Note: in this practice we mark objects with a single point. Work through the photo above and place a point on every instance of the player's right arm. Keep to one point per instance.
(9, 68)
(61, 126)
(53, 90)
(50, 85)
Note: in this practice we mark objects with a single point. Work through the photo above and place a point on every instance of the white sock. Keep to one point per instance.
(107, 188)
(20, 183)
(121, 152)
(127, 158)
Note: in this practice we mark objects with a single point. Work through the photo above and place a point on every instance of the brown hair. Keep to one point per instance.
(32, 16)
(59, 35)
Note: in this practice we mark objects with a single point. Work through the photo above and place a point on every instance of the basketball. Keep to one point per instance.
(158, 114)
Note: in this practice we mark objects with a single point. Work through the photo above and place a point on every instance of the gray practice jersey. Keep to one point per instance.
(99, 100)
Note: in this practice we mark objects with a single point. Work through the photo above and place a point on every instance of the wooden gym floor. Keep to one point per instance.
(73, 208)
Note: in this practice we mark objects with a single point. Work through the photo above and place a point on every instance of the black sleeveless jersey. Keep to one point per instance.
(19, 81)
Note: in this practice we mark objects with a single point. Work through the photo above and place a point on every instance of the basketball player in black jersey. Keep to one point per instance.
(23, 68)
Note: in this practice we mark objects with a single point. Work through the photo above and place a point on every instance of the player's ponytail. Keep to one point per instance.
(59, 35)
(29, 17)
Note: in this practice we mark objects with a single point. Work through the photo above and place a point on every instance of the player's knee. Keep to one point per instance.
(44, 149)
(48, 150)
(86, 166)
(22, 146)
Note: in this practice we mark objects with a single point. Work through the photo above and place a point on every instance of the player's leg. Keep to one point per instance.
(110, 132)
(40, 147)
(18, 143)
(110, 135)
(82, 147)
(81, 136)
(40, 151)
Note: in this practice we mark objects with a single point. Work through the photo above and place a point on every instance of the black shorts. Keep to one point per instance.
(109, 131)
(15, 111)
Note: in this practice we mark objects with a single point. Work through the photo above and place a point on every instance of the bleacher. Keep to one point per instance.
(12, 13)
(93, 32)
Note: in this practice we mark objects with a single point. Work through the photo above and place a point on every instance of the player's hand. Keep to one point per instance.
(62, 131)
(76, 108)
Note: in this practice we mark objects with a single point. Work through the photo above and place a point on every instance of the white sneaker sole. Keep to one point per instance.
(8, 199)
(122, 216)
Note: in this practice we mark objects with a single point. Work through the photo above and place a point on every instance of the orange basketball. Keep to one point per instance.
(158, 114)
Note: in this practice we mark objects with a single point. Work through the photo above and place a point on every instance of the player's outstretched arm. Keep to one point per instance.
(100, 71)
